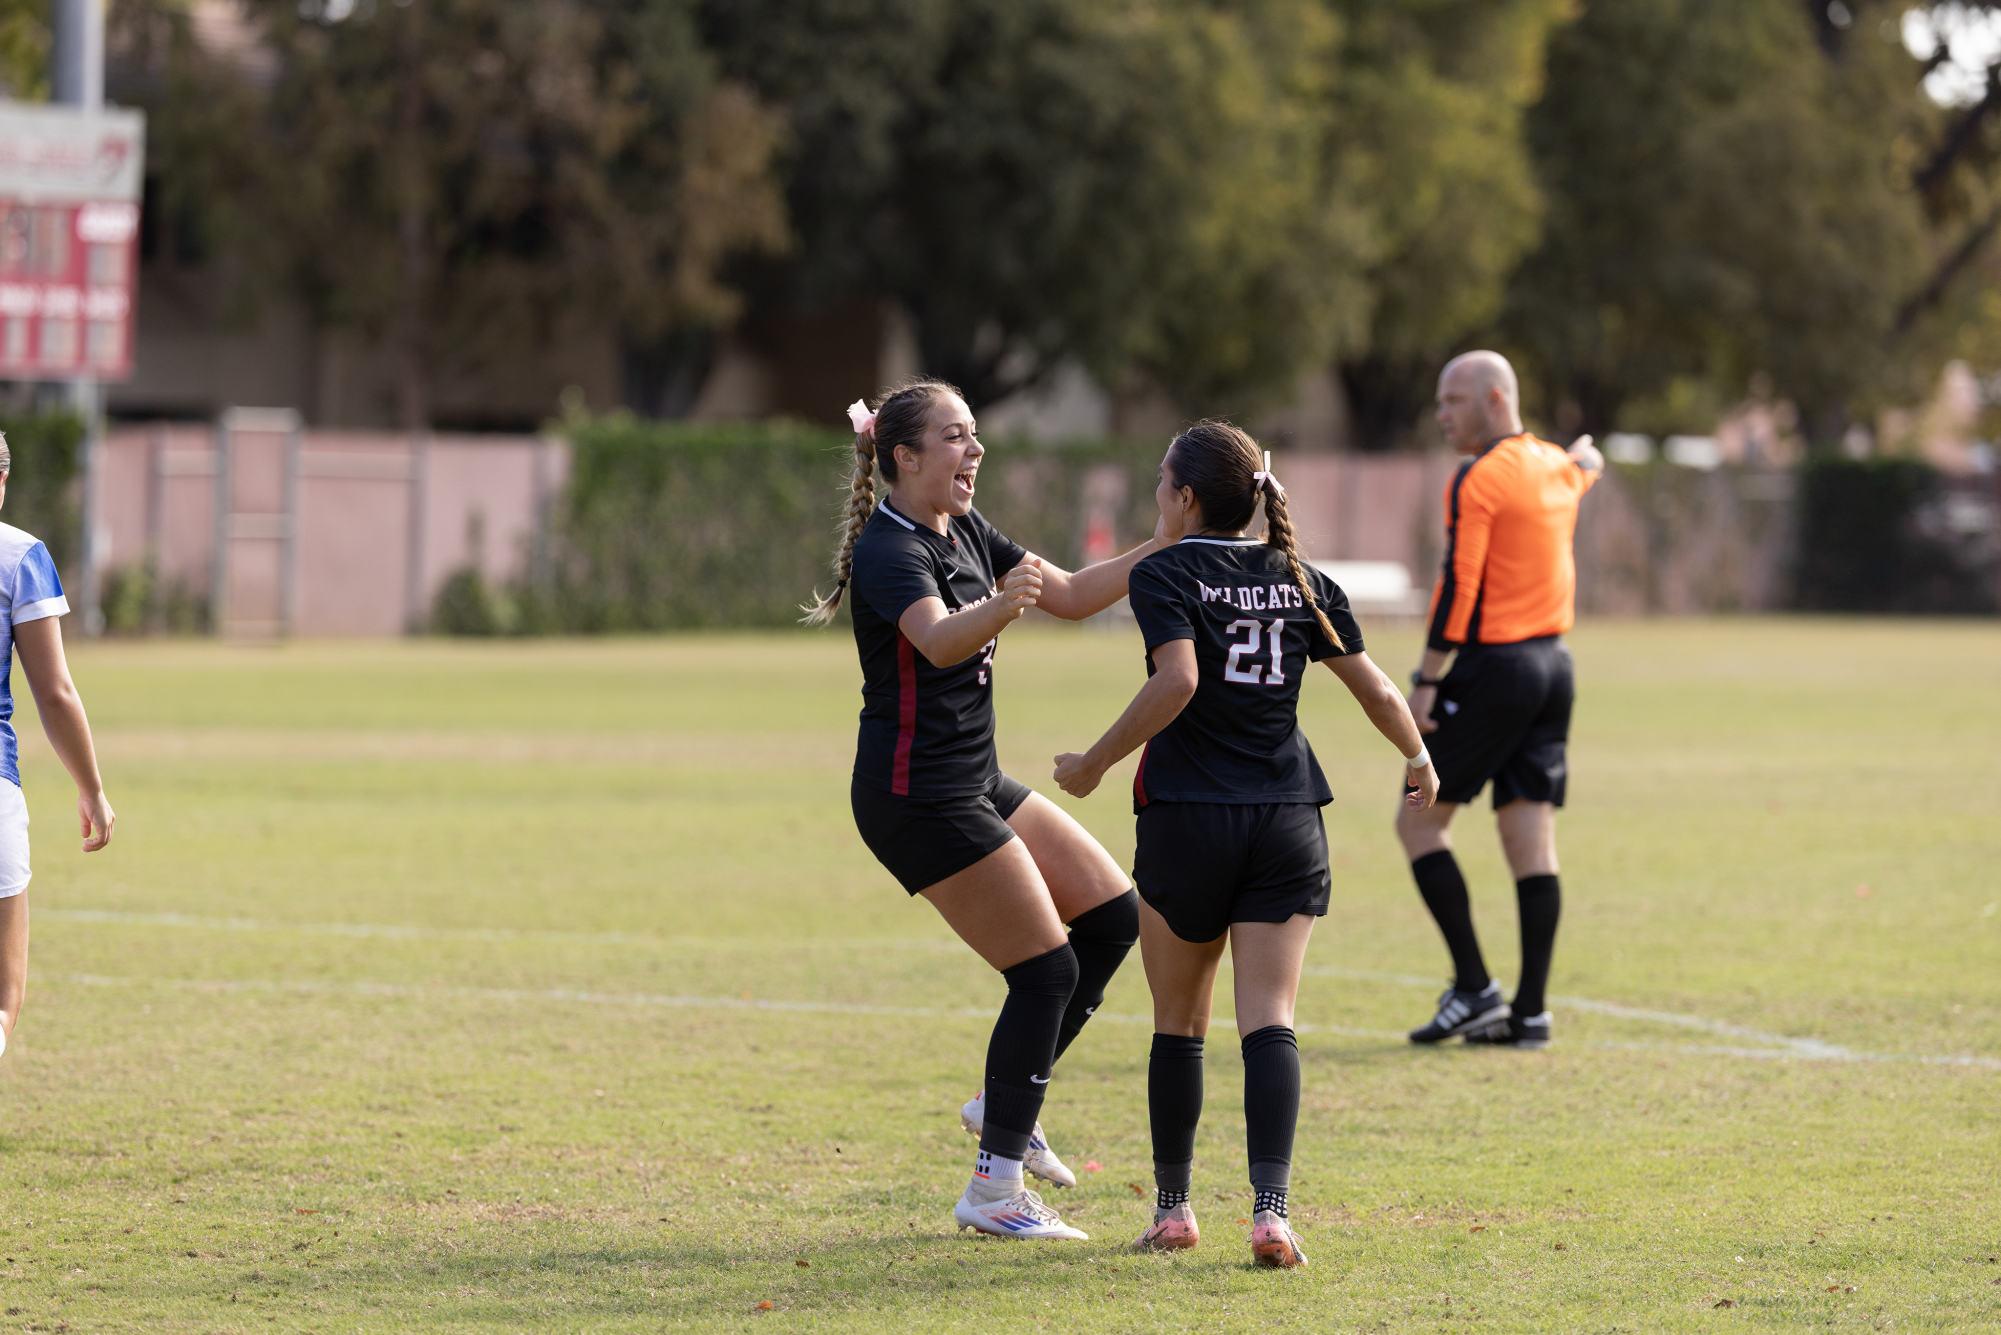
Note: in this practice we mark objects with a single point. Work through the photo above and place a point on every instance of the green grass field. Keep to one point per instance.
(547, 987)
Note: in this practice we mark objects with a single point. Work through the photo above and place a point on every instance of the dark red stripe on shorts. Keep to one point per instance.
(906, 714)
(1139, 776)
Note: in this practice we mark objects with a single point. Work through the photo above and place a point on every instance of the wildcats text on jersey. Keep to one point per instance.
(1254, 597)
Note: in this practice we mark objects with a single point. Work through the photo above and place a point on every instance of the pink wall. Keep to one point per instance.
(1360, 507)
(329, 532)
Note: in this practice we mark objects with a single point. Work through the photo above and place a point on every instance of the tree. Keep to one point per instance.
(1144, 187)
(24, 49)
(1429, 102)
(465, 177)
(1724, 198)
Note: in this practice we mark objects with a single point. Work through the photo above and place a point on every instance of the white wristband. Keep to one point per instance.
(1421, 759)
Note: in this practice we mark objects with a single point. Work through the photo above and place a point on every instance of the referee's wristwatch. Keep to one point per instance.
(1417, 679)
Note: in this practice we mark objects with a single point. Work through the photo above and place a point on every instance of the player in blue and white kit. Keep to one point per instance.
(1014, 875)
(31, 598)
(1231, 847)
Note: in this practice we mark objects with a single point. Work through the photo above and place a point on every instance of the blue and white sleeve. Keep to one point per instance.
(38, 590)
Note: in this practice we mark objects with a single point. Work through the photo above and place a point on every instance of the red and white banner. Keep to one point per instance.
(70, 184)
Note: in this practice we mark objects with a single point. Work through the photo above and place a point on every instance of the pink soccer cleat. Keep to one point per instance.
(1273, 1243)
(1171, 1231)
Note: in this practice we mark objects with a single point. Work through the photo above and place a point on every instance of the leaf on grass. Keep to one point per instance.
(1559, 1246)
(764, 1306)
(1834, 1288)
(802, 1263)
(1243, 1221)
(1093, 1166)
(1477, 1228)
(305, 1212)
(1138, 1190)
(1726, 1302)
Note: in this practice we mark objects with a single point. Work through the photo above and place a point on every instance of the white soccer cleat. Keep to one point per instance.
(1022, 1215)
(1040, 1159)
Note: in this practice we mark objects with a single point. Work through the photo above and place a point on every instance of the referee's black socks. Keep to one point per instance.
(1100, 938)
(1271, 1111)
(1444, 891)
(1023, 1049)
(1174, 1106)
(1540, 899)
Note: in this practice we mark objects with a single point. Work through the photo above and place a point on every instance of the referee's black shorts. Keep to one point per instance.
(924, 840)
(1503, 714)
(1205, 865)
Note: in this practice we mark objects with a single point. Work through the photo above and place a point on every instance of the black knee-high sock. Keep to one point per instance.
(1100, 938)
(1174, 1106)
(1444, 891)
(1023, 1048)
(1540, 899)
(1271, 1110)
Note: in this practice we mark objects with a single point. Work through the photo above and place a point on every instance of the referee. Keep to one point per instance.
(1502, 713)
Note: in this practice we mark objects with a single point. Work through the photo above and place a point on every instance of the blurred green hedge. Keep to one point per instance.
(675, 525)
(42, 493)
(1895, 535)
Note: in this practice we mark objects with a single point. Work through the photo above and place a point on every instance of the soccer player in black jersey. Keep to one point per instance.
(934, 586)
(1228, 796)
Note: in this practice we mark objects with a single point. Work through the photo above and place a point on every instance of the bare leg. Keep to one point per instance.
(1000, 906)
(1427, 831)
(13, 962)
(1528, 837)
(1267, 958)
(1180, 974)
(1079, 872)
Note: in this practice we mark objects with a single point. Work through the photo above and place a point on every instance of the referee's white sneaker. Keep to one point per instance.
(1016, 1214)
(1040, 1159)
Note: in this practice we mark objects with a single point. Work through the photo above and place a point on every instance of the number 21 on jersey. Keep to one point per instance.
(1254, 673)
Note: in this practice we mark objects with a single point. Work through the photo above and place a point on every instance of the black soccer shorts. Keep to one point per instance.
(1205, 865)
(1503, 714)
(924, 840)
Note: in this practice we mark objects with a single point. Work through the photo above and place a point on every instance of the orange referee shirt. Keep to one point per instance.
(1509, 574)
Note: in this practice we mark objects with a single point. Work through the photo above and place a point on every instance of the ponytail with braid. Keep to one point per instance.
(1220, 464)
(901, 417)
(1278, 534)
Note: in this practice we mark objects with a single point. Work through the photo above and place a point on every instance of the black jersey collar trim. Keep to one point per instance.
(1229, 542)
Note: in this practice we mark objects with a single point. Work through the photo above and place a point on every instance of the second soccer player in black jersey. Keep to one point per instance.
(1231, 848)
(934, 586)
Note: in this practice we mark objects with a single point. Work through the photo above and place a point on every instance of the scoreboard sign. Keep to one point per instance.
(69, 240)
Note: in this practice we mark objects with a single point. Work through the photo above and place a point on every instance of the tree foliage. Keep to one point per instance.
(461, 177)
(1647, 202)
(1726, 197)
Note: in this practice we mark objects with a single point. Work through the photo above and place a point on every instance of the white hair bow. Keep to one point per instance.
(863, 419)
(1259, 479)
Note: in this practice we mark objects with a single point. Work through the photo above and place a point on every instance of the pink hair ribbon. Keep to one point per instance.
(1258, 480)
(863, 419)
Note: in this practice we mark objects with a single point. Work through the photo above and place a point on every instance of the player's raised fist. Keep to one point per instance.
(1022, 587)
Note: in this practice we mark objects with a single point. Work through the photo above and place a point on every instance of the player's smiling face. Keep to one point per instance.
(941, 479)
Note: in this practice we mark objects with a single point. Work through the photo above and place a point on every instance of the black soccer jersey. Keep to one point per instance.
(926, 731)
(1238, 739)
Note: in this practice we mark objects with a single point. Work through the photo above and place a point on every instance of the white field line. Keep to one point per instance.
(1771, 1046)
(378, 930)
(1776, 1045)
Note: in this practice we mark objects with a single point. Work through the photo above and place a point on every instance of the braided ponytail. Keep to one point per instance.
(1278, 534)
(901, 417)
(861, 505)
(1220, 463)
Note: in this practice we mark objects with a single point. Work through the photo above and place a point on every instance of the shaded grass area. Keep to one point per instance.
(545, 1097)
